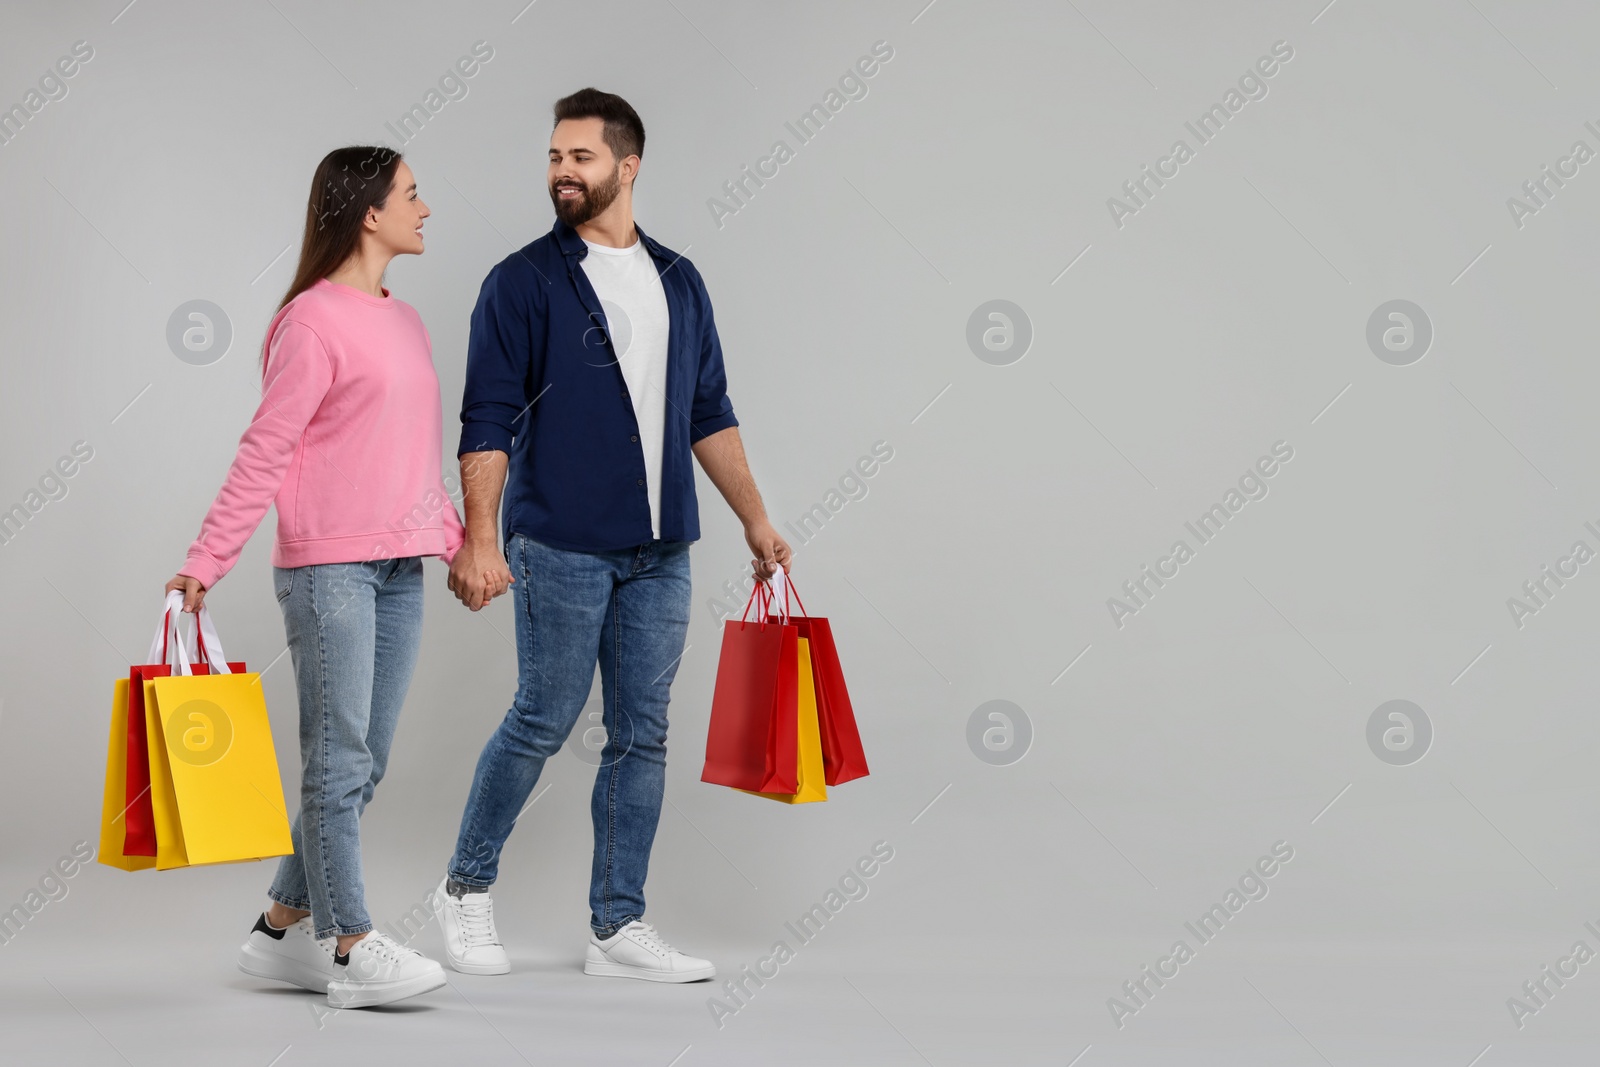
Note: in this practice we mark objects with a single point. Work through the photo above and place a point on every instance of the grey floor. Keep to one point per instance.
(956, 955)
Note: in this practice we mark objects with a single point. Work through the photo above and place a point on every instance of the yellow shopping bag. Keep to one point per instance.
(213, 771)
(214, 793)
(114, 807)
(811, 786)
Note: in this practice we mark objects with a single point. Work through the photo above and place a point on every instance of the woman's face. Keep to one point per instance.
(399, 221)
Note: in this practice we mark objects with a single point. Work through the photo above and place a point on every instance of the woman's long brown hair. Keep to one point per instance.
(348, 182)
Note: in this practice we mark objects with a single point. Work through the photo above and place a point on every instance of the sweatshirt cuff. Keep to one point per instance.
(203, 570)
(454, 538)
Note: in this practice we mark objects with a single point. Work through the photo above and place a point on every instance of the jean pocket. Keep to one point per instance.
(282, 582)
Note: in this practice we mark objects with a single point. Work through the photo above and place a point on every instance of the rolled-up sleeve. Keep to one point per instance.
(711, 410)
(500, 363)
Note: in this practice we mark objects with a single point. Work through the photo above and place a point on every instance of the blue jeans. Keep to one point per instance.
(354, 630)
(629, 609)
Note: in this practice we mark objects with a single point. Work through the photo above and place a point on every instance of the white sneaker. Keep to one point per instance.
(637, 951)
(379, 970)
(470, 941)
(292, 955)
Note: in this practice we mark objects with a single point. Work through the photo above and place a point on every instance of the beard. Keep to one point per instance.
(589, 202)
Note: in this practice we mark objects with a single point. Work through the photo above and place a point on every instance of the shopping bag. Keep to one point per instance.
(809, 772)
(214, 791)
(843, 758)
(138, 815)
(752, 742)
(127, 823)
(114, 804)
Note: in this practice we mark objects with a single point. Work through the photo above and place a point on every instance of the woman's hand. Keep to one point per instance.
(193, 592)
(478, 574)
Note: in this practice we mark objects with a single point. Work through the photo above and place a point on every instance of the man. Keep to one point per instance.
(593, 372)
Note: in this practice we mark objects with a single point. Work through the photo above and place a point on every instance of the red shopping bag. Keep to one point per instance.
(843, 758)
(753, 739)
(139, 821)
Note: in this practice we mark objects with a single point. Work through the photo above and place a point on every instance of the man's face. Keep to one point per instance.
(584, 178)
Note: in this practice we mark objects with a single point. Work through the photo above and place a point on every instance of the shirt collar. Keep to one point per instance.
(571, 244)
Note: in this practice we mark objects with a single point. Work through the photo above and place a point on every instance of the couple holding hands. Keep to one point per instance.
(578, 430)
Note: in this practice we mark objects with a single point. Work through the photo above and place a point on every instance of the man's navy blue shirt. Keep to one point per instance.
(544, 386)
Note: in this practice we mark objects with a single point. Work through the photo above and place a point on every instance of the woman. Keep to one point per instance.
(346, 441)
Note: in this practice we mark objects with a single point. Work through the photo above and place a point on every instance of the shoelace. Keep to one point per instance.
(385, 947)
(646, 934)
(477, 923)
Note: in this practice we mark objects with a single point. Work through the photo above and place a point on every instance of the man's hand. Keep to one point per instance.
(771, 550)
(478, 574)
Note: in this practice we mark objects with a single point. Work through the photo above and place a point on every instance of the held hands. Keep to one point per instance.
(770, 549)
(493, 577)
(478, 574)
(193, 592)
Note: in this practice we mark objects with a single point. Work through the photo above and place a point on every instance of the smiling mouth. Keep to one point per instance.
(567, 192)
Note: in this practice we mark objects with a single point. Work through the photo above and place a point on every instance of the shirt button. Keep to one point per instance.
(635, 437)
(640, 481)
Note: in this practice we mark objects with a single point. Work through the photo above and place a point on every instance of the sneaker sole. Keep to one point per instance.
(623, 970)
(478, 968)
(372, 995)
(258, 964)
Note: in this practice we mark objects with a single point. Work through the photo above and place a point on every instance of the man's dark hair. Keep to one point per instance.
(623, 131)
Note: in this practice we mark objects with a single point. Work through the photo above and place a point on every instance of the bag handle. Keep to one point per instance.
(781, 580)
(201, 645)
(779, 597)
(761, 597)
(210, 643)
(161, 650)
(765, 597)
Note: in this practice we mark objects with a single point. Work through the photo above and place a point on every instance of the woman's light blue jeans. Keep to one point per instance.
(354, 630)
(628, 609)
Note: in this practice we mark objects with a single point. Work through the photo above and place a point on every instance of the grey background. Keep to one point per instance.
(1231, 713)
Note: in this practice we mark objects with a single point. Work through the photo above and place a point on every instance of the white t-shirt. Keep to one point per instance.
(635, 306)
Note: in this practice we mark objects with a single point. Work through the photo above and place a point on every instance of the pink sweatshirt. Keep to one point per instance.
(346, 441)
